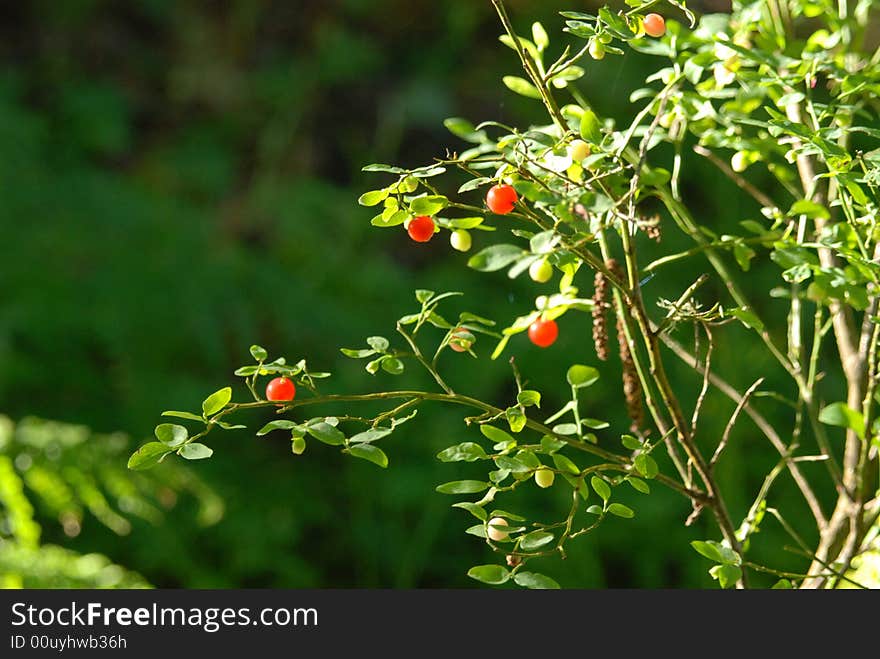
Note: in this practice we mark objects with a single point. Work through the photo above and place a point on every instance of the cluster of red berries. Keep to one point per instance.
(500, 199)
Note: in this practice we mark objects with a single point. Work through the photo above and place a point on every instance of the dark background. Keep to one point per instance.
(179, 180)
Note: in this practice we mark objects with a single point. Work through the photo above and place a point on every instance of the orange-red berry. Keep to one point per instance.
(501, 198)
(280, 389)
(655, 25)
(543, 333)
(421, 228)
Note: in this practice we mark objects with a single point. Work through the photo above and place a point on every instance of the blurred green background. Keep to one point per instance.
(178, 180)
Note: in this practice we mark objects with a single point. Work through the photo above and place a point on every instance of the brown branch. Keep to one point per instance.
(733, 417)
(763, 425)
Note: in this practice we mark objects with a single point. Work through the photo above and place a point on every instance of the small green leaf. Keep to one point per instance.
(512, 465)
(378, 343)
(464, 129)
(589, 127)
(515, 418)
(390, 218)
(601, 488)
(646, 465)
(508, 515)
(495, 257)
(621, 511)
(278, 424)
(708, 549)
(595, 510)
(379, 167)
(631, 442)
(195, 451)
(490, 574)
(550, 444)
(638, 484)
(259, 353)
(782, 584)
(564, 464)
(535, 539)
(473, 509)
(392, 365)
(229, 426)
(809, 208)
(357, 354)
(462, 487)
(370, 435)
(171, 434)
(464, 452)
(373, 197)
(727, 575)
(478, 530)
(840, 414)
(369, 452)
(747, 317)
(467, 223)
(594, 424)
(217, 401)
(565, 429)
(535, 581)
(326, 433)
(528, 397)
(496, 434)
(521, 86)
(539, 36)
(183, 415)
(148, 455)
(581, 376)
(429, 205)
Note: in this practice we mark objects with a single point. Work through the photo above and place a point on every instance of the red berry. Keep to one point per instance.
(501, 198)
(655, 25)
(543, 333)
(421, 228)
(280, 389)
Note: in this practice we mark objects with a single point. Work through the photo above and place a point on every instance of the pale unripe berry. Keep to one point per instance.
(494, 532)
(740, 161)
(541, 271)
(597, 49)
(299, 446)
(544, 477)
(578, 150)
(460, 240)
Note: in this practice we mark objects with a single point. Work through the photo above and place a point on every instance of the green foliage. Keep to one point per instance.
(67, 472)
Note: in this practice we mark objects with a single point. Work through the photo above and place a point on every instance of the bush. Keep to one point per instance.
(779, 97)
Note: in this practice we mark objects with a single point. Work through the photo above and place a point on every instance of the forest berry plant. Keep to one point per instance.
(784, 91)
